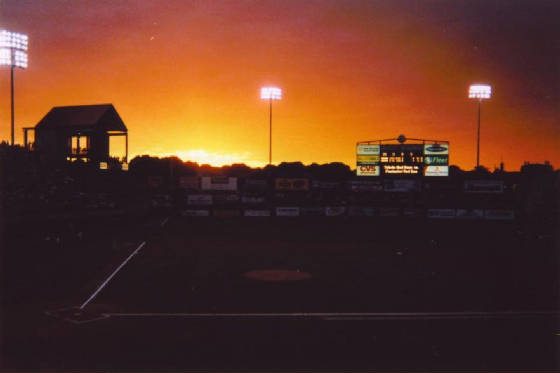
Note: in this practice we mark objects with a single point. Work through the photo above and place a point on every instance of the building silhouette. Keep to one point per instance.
(69, 133)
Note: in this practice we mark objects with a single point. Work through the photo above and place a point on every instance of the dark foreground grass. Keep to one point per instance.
(356, 265)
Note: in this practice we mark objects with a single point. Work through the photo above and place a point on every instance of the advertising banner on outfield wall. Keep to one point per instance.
(335, 211)
(191, 212)
(499, 214)
(287, 211)
(472, 214)
(298, 184)
(484, 186)
(189, 182)
(411, 212)
(366, 185)
(255, 185)
(252, 200)
(361, 211)
(398, 185)
(226, 213)
(199, 199)
(389, 211)
(312, 211)
(225, 199)
(256, 213)
(218, 183)
(325, 185)
(441, 213)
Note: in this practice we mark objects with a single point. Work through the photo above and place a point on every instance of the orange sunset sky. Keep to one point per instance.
(185, 75)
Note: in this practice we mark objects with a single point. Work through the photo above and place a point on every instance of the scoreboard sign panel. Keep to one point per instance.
(402, 159)
(367, 160)
(368, 170)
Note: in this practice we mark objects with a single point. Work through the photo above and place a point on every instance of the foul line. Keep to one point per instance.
(341, 316)
(112, 275)
(164, 221)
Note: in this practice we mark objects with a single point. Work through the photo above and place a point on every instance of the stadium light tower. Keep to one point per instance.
(270, 93)
(13, 53)
(479, 92)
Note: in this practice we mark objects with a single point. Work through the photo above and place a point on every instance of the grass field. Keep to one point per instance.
(400, 294)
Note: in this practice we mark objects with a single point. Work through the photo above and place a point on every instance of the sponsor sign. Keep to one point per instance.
(367, 170)
(470, 214)
(410, 212)
(389, 211)
(192, 212)
(325, 185)
(436, 171)
(499, 214)
(335, 211)
(287, 211)
(256, 213)
(199, 199)
(436, 160)
(225, 198)
(441, 213)
(484, 186)
(255, 184)
(218, 183)
(397, 185)
(299, 184)
(360, 211)
(436, 149)
(189, 182)
(367, 159)
(366, 186)
(226, 213)
(367, 149)
(251, 200)
(312, 211)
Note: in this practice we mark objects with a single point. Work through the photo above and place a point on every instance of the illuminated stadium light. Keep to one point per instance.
(480, 92)
(270, 94)
(13, 53)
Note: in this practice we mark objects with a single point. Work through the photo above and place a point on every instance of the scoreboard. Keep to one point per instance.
(402, 159)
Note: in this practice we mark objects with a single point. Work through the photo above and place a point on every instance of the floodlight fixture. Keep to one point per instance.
(270, 94)
(479, 92)
(13, 53)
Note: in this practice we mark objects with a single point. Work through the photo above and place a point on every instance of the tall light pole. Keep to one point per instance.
(479, 92)
(13, 53)
(270, 93)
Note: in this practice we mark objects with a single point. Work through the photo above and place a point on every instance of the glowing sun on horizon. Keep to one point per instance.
(201, 156)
